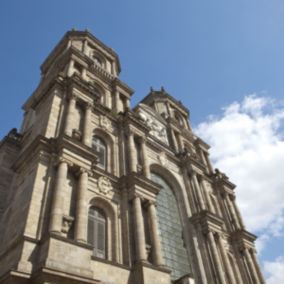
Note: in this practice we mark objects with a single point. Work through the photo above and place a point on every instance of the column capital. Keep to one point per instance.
(150, 203)
(73, 96)
(89, 106)
(82, 170)
(61, 160)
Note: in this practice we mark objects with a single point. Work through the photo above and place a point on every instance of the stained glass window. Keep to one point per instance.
(170, 230)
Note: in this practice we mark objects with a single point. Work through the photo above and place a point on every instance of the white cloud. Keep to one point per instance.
(247, 144)
(275, 271)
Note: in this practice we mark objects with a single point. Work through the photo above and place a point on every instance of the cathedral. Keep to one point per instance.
(94, 191)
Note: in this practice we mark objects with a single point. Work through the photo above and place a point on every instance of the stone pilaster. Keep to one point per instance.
(70, 115)
(81, 220)
(58, 197)
(155, 238)
(140, 244)
(87, 135)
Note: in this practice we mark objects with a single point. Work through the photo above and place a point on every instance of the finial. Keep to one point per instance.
(151, 89)
(162, 89)
(87, 30)
(73, 29)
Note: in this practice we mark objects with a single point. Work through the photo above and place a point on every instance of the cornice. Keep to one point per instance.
(208, 221)
(220, 179)
(134, 180)
(117, 82)
(243, 239)
(42, 90)
(65, 142)
(40, 143)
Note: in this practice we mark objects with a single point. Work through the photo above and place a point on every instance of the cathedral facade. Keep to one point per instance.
(93, 191)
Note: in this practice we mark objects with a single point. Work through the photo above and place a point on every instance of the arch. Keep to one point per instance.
(174, 184)
(111, 226)
(172, 221)
(100, 90)
(108, 140)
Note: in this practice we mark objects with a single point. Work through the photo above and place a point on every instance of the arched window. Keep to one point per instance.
(170, 230)
(101, 149)
(97, 231)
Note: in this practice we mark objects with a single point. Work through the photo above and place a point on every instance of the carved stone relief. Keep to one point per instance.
(158, 130)
(105, 123)
(104, 185)
(163, 159)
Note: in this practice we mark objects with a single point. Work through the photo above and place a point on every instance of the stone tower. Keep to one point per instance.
(92, 191)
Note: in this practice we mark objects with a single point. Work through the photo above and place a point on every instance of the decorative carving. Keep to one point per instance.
(163, 159)
(105, 123)
(104, 185)
(157, 129)
(66, 223)
(77, 134)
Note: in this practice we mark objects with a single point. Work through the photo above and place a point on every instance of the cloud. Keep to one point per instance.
(247, 144)
(274, 270)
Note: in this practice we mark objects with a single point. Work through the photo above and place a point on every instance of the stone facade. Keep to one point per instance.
(92, 191)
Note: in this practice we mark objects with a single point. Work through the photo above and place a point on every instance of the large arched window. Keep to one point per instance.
(101, 149)
(170, 230)
(97, 231)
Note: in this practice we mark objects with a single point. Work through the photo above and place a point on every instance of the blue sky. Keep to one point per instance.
(211, 55)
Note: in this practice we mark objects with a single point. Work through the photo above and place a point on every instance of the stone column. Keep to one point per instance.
(230, 272)
(155, 238)
(216, 259)
(140, 244)
(207, 197)
(180, 142)
(146, 168)
(117, 102)
(70, 70)
(251, 266)
(253, 255)
(81, 221)
(85, 46)
(238, 214)
(132, 157)
(87, 125)
(208, 162)
(84, 74)
(232, 211)
(70, 114)
(58, 197)
(198, 190)
(174, 140)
